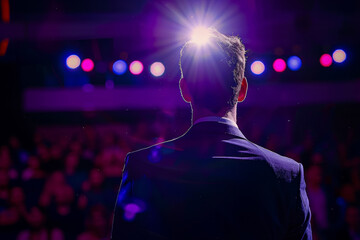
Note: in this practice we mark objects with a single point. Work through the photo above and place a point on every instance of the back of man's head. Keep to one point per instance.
(213, 72)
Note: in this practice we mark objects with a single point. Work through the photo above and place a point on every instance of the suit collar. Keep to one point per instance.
(217, 128)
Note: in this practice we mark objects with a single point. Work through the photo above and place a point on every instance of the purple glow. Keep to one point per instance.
(325, 60)
(73, 61)
(130, 211)
(279, 65)
(157, 69)
(257, 67)
(109, 84)
(87, 65)
(136, 67)
(339, 56)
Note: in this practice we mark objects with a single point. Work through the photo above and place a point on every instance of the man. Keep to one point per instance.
(211, 182)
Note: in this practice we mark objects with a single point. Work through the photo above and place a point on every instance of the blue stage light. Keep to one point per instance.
(294, 63)
(119, 67)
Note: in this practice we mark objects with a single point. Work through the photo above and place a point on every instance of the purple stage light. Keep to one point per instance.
(294, 63)
(257, 67)
(119, 67)
(157, 69)
(73, 61)
(87, 65)
(325, 60)
(339, 56)
(279, 65)
(136, 67)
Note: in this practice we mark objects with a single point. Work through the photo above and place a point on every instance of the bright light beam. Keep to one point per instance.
(200, 35)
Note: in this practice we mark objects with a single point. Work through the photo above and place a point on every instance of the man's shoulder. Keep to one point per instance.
(282, 166)
(160, 148)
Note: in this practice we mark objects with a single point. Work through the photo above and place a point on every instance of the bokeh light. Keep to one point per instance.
(87, 65)
(73, 61)
(130, 211)
(157, 69)
(136, 67)
(325, 60)
(294, 63)
(339, 55)
(257, 67)
(279, 65)
(119, 67)
(200, 35)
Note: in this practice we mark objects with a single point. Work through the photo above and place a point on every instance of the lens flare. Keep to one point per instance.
(200, 35)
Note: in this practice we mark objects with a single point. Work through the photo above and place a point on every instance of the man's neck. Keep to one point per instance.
(198, 113)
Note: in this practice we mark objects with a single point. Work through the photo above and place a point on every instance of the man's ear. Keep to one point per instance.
(184, 90)
(243, 90)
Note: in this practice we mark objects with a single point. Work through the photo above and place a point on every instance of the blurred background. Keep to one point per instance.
(84, 82)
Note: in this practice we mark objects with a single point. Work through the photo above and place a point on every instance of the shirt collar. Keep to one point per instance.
(216, 119)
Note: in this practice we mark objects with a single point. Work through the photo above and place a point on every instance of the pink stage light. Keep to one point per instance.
(136, 67)
(87, 65)
(157, 69)
(326, 60)
(257, 67)
(279, 65)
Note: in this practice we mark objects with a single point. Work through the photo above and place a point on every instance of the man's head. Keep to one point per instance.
(212, 76)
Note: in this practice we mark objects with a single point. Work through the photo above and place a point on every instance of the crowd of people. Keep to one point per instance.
(65, 187)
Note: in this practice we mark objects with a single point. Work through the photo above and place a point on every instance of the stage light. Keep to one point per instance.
(73, 61)
(200, 35)
(87, 65)
(325, 60)
(339, 55)
(157, 69)
(257, 67)
(279, 65)
(119, 67)
(136, 67)
(294, 63)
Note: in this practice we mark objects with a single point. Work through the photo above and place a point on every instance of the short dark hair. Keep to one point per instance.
(214, 72)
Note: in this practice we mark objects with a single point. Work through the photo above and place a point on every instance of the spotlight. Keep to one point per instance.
(279, 65)
(73, 61)
(119, 67)
(136, 67)
(157, 69)
(294, 63)
(339, 56)
(325, 60)
(257, 67)
(87, 65)
(200, 35)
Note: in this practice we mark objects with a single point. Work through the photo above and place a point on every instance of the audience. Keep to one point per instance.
(66, 187)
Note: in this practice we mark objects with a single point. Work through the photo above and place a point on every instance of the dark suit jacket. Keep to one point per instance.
(211, 183)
